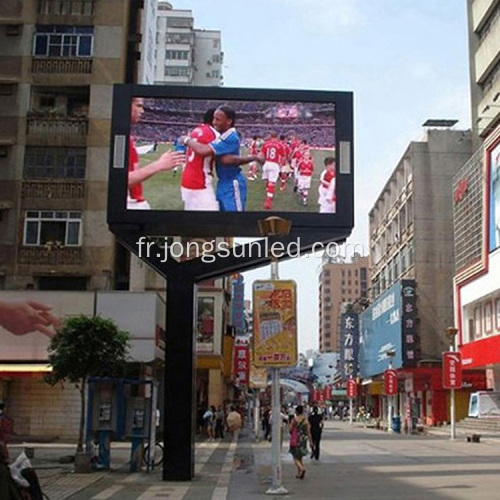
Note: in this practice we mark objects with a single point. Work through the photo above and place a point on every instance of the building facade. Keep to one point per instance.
(411, 241)
(477, 203)
(339, 283)
(185, 55)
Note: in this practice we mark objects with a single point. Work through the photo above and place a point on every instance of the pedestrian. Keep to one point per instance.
(209, 422)
(316, 423)
(266, 423)
(233, 421)
(300, 433)
(219, 422)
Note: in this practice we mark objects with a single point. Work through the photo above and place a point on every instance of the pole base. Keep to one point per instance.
(280, 490)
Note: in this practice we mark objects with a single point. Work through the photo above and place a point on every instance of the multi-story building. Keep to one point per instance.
(484, 64)
(185, 55)
(411, 242)
(477, 203)
(340, 283)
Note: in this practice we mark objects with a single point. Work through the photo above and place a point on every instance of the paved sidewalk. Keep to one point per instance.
(356, 463)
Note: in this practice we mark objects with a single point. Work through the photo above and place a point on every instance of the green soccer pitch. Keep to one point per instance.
(163, 191)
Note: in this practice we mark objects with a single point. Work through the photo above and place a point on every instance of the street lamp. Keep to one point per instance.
(451, 333)
(390, 354)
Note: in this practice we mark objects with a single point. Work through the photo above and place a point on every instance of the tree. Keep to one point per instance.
(86, 347)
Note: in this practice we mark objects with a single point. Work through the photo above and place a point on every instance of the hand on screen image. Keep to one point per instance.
(20, 317)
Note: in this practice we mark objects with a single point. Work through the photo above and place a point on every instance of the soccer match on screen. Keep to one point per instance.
(239, 155)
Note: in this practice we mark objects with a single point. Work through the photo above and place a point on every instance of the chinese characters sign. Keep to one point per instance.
(241, 364)
(409, 323)
(351, 388)
(275, 323)
(391, 382)
(349, 337)
(452, 370)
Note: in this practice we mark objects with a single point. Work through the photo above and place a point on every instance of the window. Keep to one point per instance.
(63, 41)
(54, 163)
(44, 227)
(176, 71)
(65, 7)
(177, 55)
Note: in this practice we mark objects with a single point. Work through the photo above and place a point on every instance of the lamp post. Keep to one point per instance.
(451, 333)
(390, 354)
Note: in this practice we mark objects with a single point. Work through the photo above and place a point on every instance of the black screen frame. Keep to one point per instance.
(244, 224)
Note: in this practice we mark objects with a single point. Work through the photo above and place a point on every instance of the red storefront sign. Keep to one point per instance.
(327, 391)
(241, 364)
(482, 352)
(452, 370)
(351, 388)
(391, 382)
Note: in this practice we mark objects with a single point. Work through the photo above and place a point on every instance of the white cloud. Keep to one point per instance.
(327, 16)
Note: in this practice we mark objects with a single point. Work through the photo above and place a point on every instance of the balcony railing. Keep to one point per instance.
(57, 126)
(52, 189)
(53, 256)
(61, 65)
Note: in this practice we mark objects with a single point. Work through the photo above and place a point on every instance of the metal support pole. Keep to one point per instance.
(453, 433)
(256, 416)
(277, 487)
(389, 405)
(452, 412)
(351, 411)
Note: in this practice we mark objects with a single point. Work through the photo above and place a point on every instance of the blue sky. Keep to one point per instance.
(405, 60)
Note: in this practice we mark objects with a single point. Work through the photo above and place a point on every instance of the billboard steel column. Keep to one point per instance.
(178, 418)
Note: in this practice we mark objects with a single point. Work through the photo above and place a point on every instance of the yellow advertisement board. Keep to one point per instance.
(275, 323)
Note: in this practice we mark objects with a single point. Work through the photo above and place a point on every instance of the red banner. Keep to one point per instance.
(327, 391)
(351, 388)
(452, 370)
(391, 382)
(241, 364)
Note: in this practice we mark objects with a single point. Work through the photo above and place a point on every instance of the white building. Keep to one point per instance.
(185, 55)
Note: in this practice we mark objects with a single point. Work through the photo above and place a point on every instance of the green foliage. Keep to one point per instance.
(87, 347)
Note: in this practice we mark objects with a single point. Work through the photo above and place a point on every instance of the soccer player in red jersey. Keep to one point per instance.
(136, 175)
(253, 150)
(327, 197)
(197, 178)
(305, 168)
(273, 153)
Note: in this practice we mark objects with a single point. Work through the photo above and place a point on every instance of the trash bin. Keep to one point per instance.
(396, 423)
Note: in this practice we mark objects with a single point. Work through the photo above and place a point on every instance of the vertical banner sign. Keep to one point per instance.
(391, 382)
(452, 370)
(274, 323)
(327, 390)
(238, 305)
(241, 363)
(349, 337)
(351, 388)
(409, 326)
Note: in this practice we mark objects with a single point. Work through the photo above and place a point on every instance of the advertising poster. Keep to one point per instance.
(275, 323)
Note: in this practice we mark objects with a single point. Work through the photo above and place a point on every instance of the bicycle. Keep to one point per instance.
(156, 457)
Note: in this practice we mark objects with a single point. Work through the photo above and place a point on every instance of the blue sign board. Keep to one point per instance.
(381, 332)
(389, 324)
(238, 306)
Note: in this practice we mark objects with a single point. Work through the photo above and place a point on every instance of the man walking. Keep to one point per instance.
(316, 423)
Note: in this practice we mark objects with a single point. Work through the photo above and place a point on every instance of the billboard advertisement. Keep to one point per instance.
(389, 324)
(493, 160)
(206, 161)
(274, 323)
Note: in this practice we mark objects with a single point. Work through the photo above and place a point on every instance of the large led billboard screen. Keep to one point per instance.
(213, 161)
